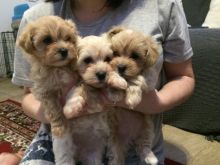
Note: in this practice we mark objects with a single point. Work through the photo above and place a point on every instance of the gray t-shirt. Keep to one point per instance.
(163, 19)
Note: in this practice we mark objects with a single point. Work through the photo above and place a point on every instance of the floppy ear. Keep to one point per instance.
(72, 25)
(114, 30)
(25, 39)
(152, 53)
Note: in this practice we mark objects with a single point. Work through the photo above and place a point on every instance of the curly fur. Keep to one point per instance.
(134, 54)
(90, 133)
(96, 74)
(49, 44)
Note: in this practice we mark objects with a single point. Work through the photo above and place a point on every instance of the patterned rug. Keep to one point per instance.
(15, 127)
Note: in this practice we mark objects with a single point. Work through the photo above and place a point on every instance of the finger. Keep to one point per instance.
(9, 159)
(20, 154)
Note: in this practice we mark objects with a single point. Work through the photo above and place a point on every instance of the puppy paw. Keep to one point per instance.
(117, 81)
(58, 131)
(73, 107)
(133, 96)
(151, 159)
(132, 102)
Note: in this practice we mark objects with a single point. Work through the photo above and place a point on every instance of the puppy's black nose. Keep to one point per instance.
(121, 68)
(101, 75)
(63, 52)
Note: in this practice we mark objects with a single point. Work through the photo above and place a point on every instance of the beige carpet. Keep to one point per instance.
(189, 148)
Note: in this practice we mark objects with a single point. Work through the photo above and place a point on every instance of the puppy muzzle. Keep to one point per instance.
(63, 52)
(121, 68)
(101, 75)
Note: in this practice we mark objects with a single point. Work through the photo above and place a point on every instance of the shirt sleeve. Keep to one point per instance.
(177, 47)
(21, 66)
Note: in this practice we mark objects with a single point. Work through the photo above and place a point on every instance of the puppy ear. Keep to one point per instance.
(114, 30)
(79, 45)
(72, 25)
(25, 39)
(152, 52)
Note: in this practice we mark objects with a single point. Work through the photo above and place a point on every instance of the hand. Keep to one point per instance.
(77, 105)
(10, 159)
(32, 107)
(150, 104)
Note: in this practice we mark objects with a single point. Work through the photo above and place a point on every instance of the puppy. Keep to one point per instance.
(89, 133)
(95, 53)
(49, 44)
(134, 53)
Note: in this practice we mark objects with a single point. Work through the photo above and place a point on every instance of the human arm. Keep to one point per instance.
(180, 86)
(177, 66)
(32, 106)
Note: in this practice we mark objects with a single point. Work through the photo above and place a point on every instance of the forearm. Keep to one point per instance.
(172, 94)
(32, 107)
(176, 92)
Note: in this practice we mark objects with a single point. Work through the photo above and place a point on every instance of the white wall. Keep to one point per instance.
(7, 11)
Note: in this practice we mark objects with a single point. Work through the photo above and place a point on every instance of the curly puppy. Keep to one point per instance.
(49, 44)
(88, 134)
(134, 53)
(93, 66)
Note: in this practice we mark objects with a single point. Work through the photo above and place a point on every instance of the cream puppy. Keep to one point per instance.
(88, 135)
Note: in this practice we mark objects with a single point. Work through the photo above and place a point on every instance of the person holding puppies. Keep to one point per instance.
(164, 20)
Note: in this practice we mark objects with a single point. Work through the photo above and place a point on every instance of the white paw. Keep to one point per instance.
(132, 101)
(117, 81)
(73, 106)
(133, 96)
(121, 83)
(151, 159)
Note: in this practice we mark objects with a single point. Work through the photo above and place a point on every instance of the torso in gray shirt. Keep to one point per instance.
(163, 19)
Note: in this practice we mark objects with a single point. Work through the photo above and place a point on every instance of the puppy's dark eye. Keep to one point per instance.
(88, 60)
(135, 56)
(47, 40)
(107, 59)
(67, 38)
(116, 53)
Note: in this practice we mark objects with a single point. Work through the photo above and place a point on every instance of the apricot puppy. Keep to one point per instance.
(49, 45)
(134, 54)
